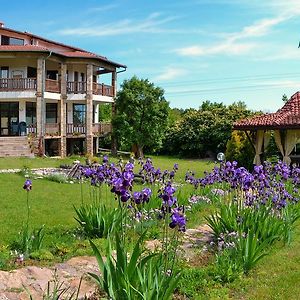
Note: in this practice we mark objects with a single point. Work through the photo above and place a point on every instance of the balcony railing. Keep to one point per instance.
(17, 84)
(76, 87)
(103, 89)
(53, 129)
(102, 128)
(52, 86)
(75, 129)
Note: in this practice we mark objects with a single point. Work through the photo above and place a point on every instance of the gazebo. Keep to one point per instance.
(285, 123)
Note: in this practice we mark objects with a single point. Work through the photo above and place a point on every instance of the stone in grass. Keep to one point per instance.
(42, 254)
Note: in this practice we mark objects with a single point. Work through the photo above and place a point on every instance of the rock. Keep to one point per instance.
(13, 284)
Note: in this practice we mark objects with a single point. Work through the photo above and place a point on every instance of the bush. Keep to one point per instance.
(97, 220)
(239, 149)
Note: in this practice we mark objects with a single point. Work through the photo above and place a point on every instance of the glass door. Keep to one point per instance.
(9, 118)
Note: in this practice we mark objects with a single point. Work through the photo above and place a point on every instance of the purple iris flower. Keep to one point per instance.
(178, 219)
(27, 185)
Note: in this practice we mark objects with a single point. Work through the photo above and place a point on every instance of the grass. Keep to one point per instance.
(34, 162)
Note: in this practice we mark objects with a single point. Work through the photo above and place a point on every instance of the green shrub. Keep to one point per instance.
(97, 220)
(133, 276)
(239, 149)
(59, 178)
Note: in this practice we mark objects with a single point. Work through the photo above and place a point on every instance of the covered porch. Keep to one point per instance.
(285, 125)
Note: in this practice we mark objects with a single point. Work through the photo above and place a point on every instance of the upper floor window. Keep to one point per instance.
(3, 72)
(7, 40)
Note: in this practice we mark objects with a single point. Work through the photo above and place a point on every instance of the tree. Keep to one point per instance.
(141, 115)
(285, 98)
(205, 131)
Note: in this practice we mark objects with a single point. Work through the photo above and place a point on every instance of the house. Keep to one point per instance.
(50, 95)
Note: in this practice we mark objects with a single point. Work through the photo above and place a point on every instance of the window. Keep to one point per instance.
(4, 72)
(51, 113)
(79, 111)
(6, 40)
(31, 72)
(30, 113)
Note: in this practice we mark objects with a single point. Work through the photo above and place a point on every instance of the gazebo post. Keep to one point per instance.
(250, 140)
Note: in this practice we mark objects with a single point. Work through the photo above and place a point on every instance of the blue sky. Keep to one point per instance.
(196, 50)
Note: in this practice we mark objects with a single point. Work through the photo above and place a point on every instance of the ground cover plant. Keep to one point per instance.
(252, 215)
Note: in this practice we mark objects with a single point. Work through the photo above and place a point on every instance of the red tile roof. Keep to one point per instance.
(288, 117)
(23, 48)
(70, 52)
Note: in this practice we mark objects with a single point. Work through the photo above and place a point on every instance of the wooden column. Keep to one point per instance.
(63, 119)
(40, 105)
(89, 110)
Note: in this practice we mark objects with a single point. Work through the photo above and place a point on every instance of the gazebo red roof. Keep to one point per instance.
(287, 117)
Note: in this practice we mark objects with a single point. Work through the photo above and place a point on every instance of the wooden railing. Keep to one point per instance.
(53, 129)
(76, 87)
(52, 86)
(31, 129)
(102, 128)
(76, 129)
(103, 89)
(17, 84)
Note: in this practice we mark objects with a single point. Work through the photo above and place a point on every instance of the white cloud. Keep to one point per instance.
(152, 24)
(102, 8)
(226, 48)
(170, 73)
(233, 43)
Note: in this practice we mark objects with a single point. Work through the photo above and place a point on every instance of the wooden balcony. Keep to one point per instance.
(76, 87)
(75, 129)
(52, 86)
(102, 128)
(103, 89)
(53, 129)
(17, 84)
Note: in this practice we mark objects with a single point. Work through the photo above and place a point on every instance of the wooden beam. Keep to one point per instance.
(250, 140)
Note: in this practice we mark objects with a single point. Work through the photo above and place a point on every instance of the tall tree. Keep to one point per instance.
(141, 115)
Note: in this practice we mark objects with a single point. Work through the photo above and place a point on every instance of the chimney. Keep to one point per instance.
(1, 24)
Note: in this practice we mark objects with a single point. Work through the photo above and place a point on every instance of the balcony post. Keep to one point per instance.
(63, 119)
(114, 92)
(89, 110)
(40, 104)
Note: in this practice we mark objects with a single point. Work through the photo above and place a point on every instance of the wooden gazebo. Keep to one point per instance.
(286, 126)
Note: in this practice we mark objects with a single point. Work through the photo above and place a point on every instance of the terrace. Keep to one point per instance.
(77, 130)
(53, 86)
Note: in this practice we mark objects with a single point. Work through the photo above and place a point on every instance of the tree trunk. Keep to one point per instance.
(137, 150)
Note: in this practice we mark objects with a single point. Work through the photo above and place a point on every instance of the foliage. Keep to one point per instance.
(239, 149)
(97, 220)
(105, 112)
(285, 98)
(140, 276)
(141, 115)
(59, 178)
(204, 131)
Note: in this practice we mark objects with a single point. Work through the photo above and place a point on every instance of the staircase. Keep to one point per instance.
(15, 146)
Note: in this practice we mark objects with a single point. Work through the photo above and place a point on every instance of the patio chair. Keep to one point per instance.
(22, 128)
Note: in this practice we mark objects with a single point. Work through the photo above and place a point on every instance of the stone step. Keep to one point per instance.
(14, 146)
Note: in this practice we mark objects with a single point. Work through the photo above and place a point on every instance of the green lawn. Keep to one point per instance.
(34, 162)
